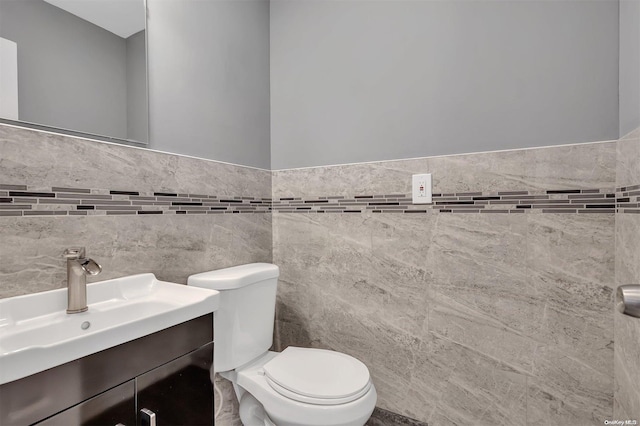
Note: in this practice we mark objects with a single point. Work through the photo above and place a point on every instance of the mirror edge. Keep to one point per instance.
(92, 136)
(72, 133)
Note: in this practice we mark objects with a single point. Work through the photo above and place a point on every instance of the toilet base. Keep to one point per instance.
(252, 413)
(251, 389)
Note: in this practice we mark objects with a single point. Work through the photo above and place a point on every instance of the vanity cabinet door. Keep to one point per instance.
(179, 392)
(115, 406)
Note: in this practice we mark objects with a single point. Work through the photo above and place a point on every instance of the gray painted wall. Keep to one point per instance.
(137, 105)
(209, 79)
(629, 66)
(356, 81)
(71, 74)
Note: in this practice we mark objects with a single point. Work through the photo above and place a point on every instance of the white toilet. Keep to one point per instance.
(297, 387)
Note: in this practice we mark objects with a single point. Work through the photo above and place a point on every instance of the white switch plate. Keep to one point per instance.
(421, 190)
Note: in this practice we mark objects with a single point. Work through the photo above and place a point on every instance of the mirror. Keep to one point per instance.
(75, 66)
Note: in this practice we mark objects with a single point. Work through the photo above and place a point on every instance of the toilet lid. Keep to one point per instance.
(317, 376)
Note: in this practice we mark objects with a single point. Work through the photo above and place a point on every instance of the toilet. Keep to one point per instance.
(296, 387)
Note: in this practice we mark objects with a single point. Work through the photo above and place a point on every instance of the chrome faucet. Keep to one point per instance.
(78, 267)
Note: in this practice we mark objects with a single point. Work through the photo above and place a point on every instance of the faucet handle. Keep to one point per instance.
(91, 267)
(74, 253)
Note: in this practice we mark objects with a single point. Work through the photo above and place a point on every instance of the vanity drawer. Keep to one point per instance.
(41, 395)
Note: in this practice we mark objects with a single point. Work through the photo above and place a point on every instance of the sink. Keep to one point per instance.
(36, 333)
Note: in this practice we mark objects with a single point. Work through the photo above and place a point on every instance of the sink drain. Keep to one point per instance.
(85, 325)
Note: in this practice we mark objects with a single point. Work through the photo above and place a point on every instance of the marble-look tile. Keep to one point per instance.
(346, 261)
(585, 166)
(389, 353)
(346, 285)
(292, 325)
(43, 160)
(566, 391)
(399, 277)
(627, 369)
(298, 229)
(491, 171)
(489, 336)
(619, 413)
(628, 164)
(329, 321)
(229, 414)
(371, 260)
(571, 267)
(571, 263)
(572, 248)
(326, 292)
(465, 387)
(496, 289)
(480, 293)
(324, 254)
(592, 166)
(347, 180)
(172, 247)
(627, 249)
(627, 329)
(299, 242)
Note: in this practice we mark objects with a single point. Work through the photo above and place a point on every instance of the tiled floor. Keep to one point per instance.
(382, 417)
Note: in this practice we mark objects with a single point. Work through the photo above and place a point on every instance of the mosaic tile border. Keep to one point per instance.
(21, 200)
(626, 196)
(580, 201)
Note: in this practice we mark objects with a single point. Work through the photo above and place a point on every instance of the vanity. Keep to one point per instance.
(140, 355)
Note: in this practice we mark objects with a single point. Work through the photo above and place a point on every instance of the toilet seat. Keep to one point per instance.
(286, 411)
(316, 401)
(317, 376)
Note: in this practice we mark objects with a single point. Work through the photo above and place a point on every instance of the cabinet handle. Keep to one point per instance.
(148, 417)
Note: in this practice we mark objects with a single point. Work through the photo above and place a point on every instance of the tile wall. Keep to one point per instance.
(627, 329)
(462, 316)
(484, 319)
(134, 210)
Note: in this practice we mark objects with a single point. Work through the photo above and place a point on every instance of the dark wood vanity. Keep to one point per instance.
(159, 379)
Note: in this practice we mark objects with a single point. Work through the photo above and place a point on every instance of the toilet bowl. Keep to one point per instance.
(317, 403)
(297, 387)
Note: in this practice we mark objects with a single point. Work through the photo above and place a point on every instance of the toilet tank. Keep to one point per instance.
(243, 326)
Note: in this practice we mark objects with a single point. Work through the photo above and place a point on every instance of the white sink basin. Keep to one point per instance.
(36, 333)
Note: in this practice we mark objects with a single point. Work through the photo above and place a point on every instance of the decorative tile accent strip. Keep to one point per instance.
(628, 199)
(20, 200)
(577, 201)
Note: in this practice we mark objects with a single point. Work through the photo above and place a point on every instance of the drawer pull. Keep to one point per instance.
(148, 417)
